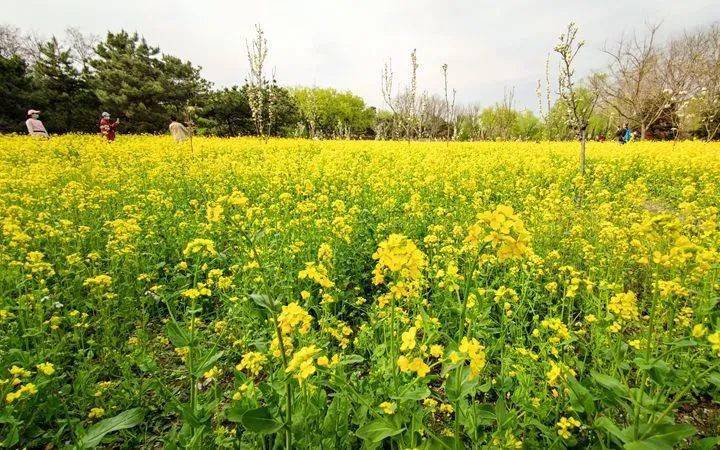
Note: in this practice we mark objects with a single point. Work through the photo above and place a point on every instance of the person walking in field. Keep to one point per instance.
(107, 127)
(34, 126)
(178, 130)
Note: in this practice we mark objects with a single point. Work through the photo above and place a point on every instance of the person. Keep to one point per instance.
(178, 130)
(34, 126)
(107, 128)
(628, 134)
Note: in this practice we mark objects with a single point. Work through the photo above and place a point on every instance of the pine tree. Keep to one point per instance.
(133, 81)
(14, 85)
(62, 92)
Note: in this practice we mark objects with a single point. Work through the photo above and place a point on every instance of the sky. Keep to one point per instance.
(489, 46)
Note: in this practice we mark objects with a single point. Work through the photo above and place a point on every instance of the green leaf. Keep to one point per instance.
(351, 359)
(458, 385)
(260, 420)
(235, 412)
(611, 384)
(262, 300)
(336, 420)
(11, 438)
(474, 416)
(663, 437)
(580, 398)
(714, 379)
(606, 424)
(207, 363)
(444, 442)
(414, 393)
(709, 443)
(377, 430)
(177, 335)
(657, 368)
(124, 420)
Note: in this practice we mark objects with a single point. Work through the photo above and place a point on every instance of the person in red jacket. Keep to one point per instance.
(107, 128)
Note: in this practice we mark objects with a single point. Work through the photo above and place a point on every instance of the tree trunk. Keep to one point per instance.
(582, 151)
(643, 131)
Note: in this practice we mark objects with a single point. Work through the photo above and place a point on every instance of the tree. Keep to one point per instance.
(449, 106)
(260, 92)
(404, 106)
(557, 126)
(226, 113)
(15, 88)
(707, 102)
(131, 80)
(62, 92)
(633, 86)
(577, 112)
(82, 46)
(326, 112)
(497, 122)
(14, 42)
(527, 126)
(680, 71)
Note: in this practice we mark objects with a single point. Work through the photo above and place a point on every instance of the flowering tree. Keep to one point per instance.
(577, 112)
(262, 94)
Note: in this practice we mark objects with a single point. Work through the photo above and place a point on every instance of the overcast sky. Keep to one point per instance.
(488, 45)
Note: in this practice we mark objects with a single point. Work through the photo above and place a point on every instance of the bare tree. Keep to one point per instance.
(433, 117)
(708, 97)
(544, 103)
(449, 106)
(680, 71)
(578, 111)
(11, 41)
(14, 42)
(386, 86)
(404, 106)
(633, 86)
(82, 46)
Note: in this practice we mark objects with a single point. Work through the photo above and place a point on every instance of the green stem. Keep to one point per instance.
(281, 342)
(393, 358)
(677, 398)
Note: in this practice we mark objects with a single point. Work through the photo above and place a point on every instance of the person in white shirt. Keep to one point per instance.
(178, 130)
(34, 126)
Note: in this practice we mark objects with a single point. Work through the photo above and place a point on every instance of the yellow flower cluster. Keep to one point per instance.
(566, 425)
(470, 350)
(559, 329)
(252, 362)
(415, 364)
(302, 363)
(399, 251)
(200, 246)
(503, 229)
(294, 317)
(317, 273)
(624, 306)
(398, 256)
(24, 390)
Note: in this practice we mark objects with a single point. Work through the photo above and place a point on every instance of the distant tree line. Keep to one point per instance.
(74, 78)
(663, 90)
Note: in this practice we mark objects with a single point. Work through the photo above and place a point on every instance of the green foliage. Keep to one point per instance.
(599, 122)
(15, 87)
(226, 113)
(500, 122)
(126, 419)
(62, 92)
(134, 82)
(326, 112)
